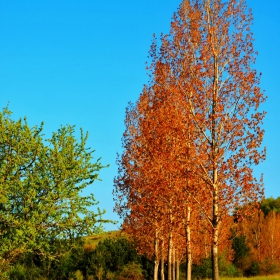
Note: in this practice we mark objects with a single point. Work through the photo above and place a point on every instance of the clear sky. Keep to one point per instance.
(81, 62)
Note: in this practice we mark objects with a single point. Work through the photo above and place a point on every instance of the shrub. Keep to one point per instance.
(254, 269)
(204, 270)
(18, 272)
(131, 271)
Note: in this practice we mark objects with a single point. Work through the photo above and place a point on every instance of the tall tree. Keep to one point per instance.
(41, 182)
(152, 169)
(203, 69)
(209, 56)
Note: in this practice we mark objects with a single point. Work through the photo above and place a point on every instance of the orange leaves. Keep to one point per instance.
(263, 237)
(195, 133)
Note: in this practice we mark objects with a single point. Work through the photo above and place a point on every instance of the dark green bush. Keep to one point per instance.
(254, 269)
(204, 270)
(113, 256)
(18, 272)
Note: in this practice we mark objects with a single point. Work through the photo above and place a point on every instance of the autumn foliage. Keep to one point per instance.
(194, 135)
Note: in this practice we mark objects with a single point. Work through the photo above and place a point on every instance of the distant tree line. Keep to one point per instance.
(252, 248)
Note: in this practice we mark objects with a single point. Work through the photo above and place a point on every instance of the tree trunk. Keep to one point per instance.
(156, 257)
(215, 266)
(189, 249)
(162, 261)
(177, 269)
(170, 256)
(215, 223)
(173, 264)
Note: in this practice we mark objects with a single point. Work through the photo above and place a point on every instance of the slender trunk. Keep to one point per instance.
(206, 255)
(215, 265)
(189, 249)
(259, 237)
(156, 257)
(177, 269)
(162, 261)
(214, 148)
(271, 225)
(170, 256)
(174, 264)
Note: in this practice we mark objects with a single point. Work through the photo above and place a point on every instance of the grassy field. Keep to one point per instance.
(270, 277)
(93, 240)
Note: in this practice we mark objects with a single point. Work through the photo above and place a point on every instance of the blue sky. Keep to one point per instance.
(81, 62)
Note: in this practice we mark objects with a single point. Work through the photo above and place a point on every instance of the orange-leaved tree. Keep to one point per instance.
(209, 58)
(205, 95)
(150, 187)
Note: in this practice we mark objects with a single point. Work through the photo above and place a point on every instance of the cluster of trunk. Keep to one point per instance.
(170, 258)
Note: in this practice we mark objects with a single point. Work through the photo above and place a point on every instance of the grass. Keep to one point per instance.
(93, 240)
(269, 277)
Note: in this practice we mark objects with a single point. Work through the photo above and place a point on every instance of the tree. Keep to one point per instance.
(262, 236)
(41, 182)
(111, 255)
(270, 250)
(241, 252)
(151, 175)
(203, 69)
(208, 57)
(270, 204)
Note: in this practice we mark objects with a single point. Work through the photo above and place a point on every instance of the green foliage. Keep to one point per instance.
(204, 270)
(79, 275)
(116, 258)
(131, 271)
(112, 259)
(110, 255)
(228, 269)
(242, 258)
(63, 267)
(147, 267)
(41, 182)
(254, 269)
(270, 204)
(17, 273)
(93, 240)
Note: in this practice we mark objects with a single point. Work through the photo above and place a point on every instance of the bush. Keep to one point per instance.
(254, 269)
(204, 270)
(131, 271)
(242, 256)
(110, 257)
(18, 272)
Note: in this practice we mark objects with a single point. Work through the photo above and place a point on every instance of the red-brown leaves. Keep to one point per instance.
(195, 133)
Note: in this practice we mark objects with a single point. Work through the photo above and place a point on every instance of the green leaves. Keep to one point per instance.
(41, 184)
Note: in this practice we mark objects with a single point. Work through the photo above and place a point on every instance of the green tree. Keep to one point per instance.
(117, 258)
(270, 204)
(41, 182)
(111, 255)
(242, 256)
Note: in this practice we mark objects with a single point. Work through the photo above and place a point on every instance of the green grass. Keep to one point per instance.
(269, 277)
(93, 240)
